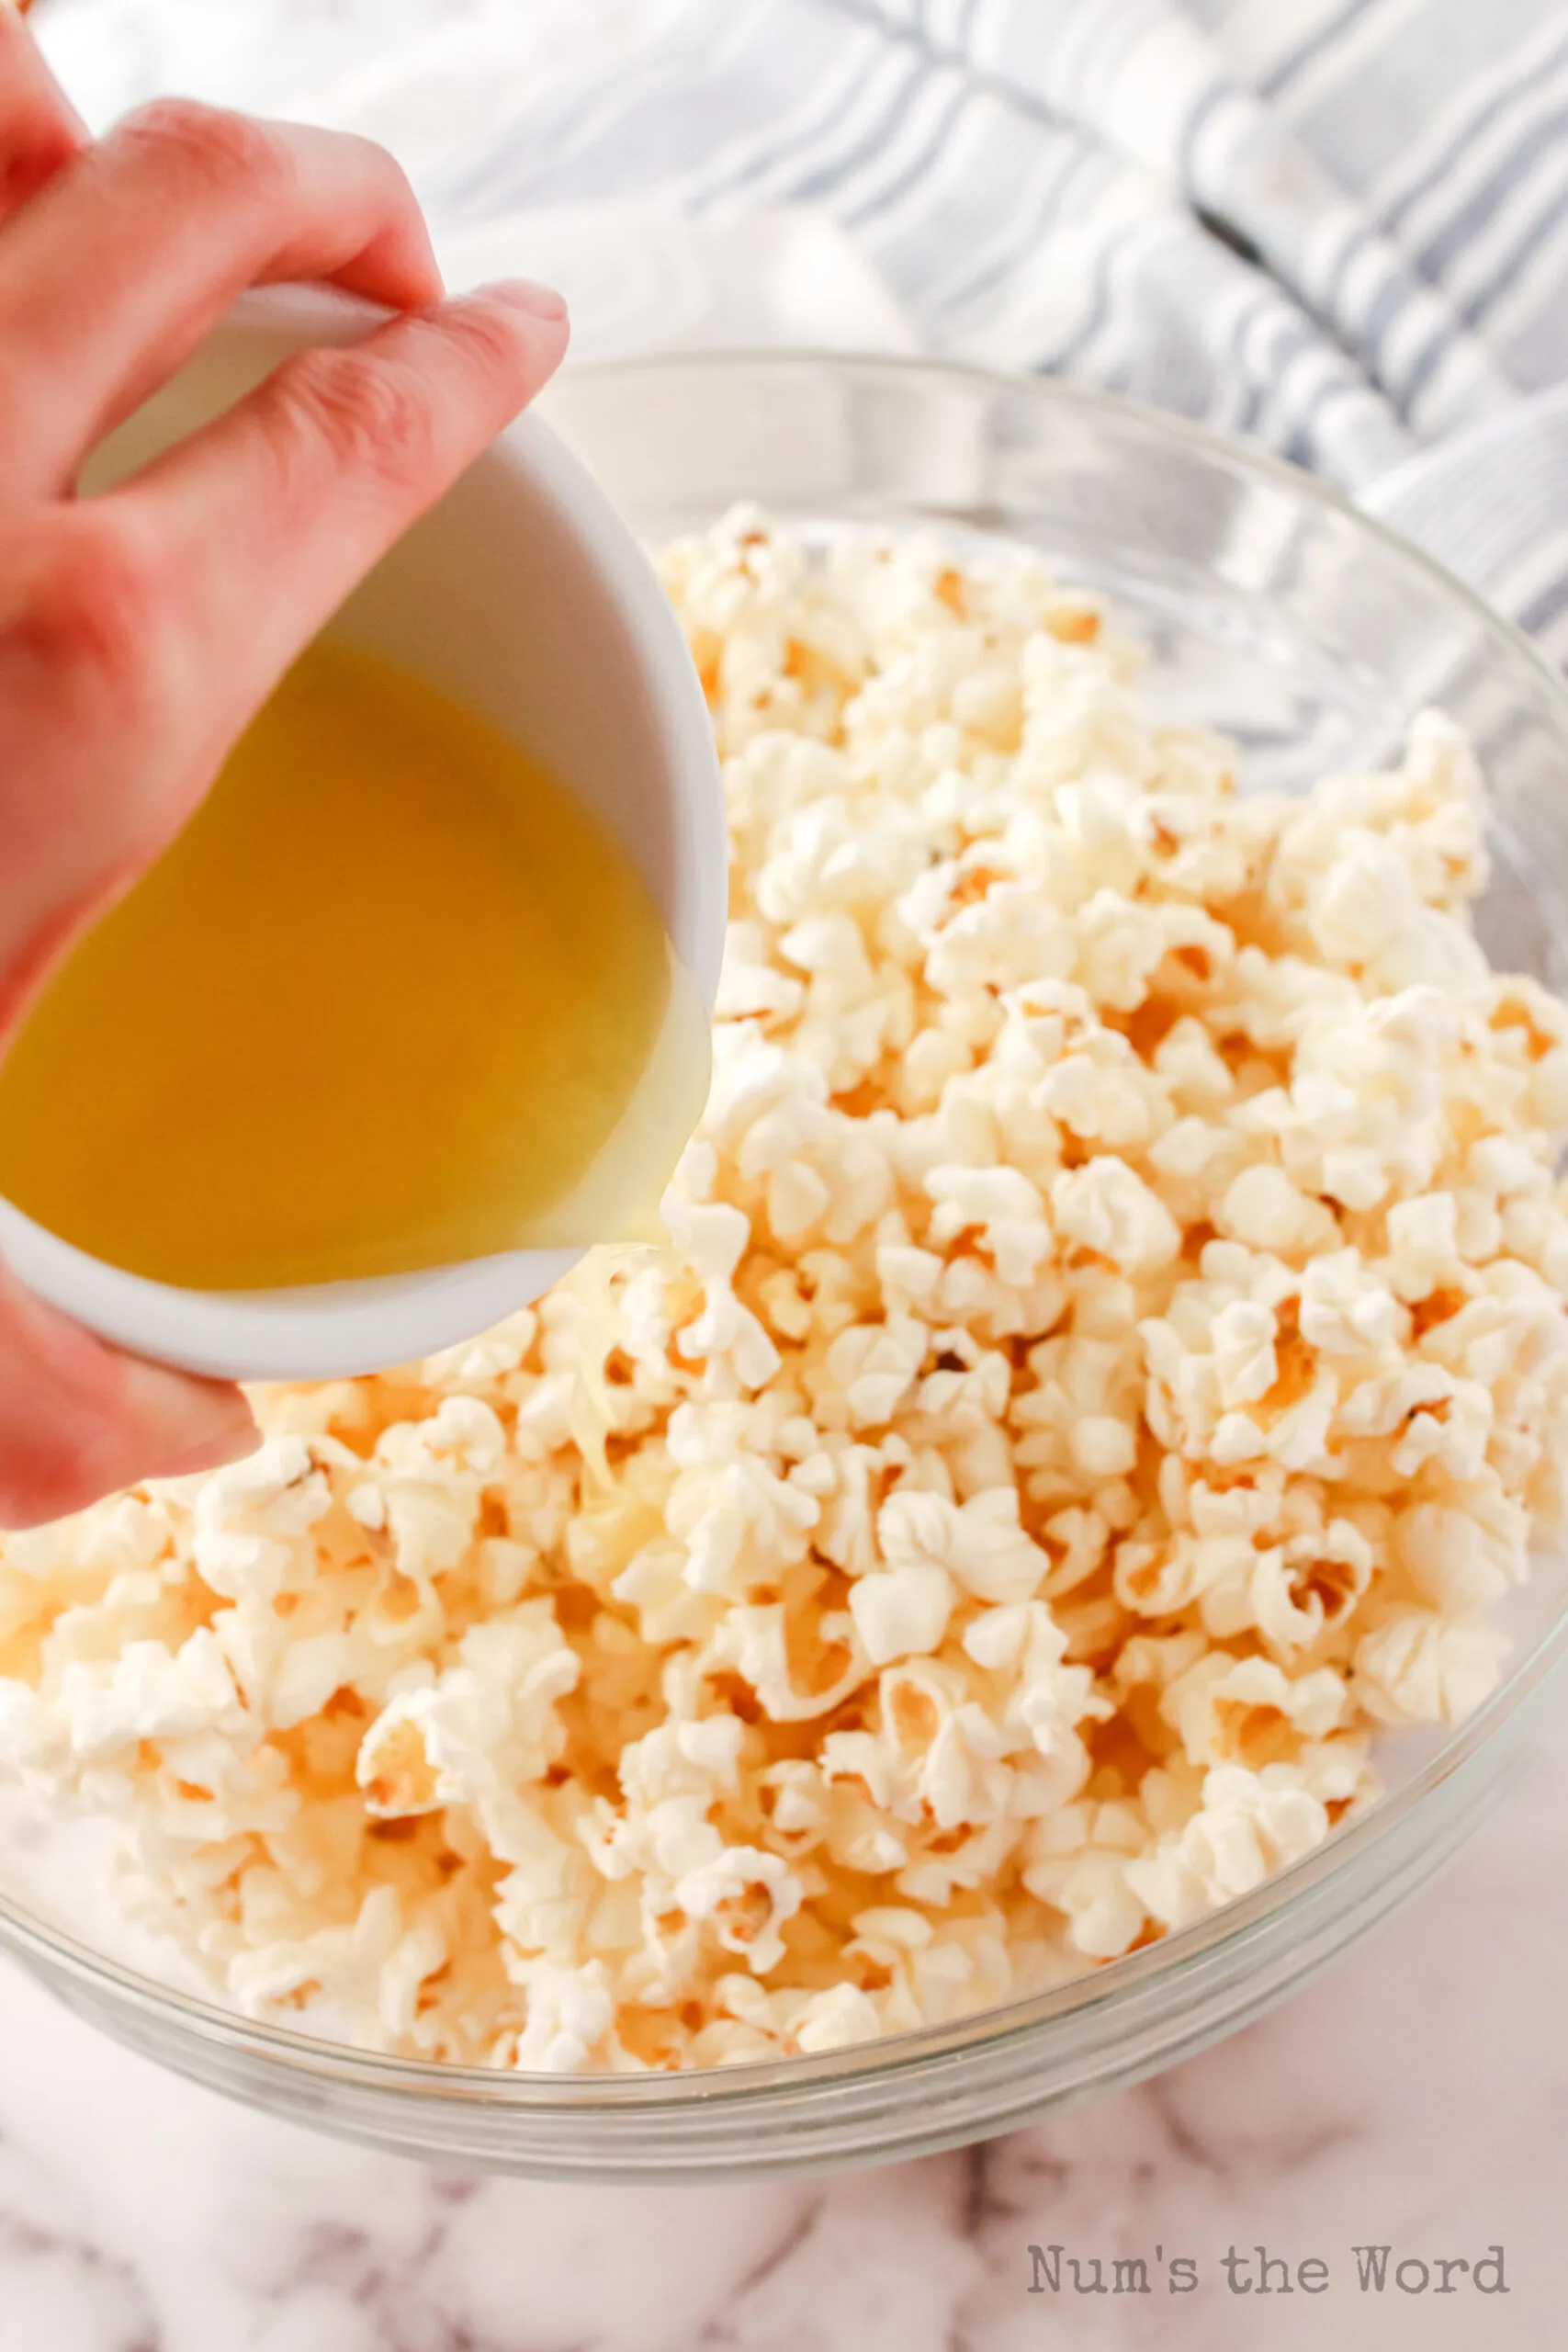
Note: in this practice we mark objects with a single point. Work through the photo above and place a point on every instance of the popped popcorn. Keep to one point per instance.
(1108, 1363)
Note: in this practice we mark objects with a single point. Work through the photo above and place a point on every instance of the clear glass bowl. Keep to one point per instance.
(1312, 635)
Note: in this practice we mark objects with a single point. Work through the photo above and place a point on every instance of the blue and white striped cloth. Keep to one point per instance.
(1340, 226)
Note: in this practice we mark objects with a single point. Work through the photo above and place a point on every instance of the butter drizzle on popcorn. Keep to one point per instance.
(1110, 1360)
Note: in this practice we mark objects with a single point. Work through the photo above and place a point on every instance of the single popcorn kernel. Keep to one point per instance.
(394, 1771)
(1109, 1362)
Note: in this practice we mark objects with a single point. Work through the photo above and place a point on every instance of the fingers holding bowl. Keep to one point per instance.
(142, 627)
(270, 515)
(79, 1419)
(112, 275)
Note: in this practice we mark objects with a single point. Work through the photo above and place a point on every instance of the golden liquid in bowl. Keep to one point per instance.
(393, 998)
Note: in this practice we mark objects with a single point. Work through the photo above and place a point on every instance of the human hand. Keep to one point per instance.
(141, 629)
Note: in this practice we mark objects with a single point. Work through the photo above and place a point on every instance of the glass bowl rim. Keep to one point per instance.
(1028, 2025)
(1237, 451)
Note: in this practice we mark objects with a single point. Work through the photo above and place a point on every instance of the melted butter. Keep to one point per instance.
(393, 998)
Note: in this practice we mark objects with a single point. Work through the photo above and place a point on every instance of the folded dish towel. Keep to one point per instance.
(1340, 226)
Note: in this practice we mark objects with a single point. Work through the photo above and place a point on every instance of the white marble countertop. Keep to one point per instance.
(1417, 2097)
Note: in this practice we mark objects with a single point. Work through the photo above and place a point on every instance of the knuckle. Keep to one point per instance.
(209, 150)
(101, 606)
(371, 416)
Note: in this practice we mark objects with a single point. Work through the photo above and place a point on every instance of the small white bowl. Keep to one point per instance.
(525, 596)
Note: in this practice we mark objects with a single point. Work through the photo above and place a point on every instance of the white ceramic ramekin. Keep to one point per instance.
(525, 596)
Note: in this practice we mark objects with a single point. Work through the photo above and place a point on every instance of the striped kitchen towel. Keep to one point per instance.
(1340, 226)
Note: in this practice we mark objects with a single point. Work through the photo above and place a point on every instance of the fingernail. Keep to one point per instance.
(540, 301)
(187, 1425)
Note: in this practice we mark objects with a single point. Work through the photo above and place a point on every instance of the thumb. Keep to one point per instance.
(80, 1418)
